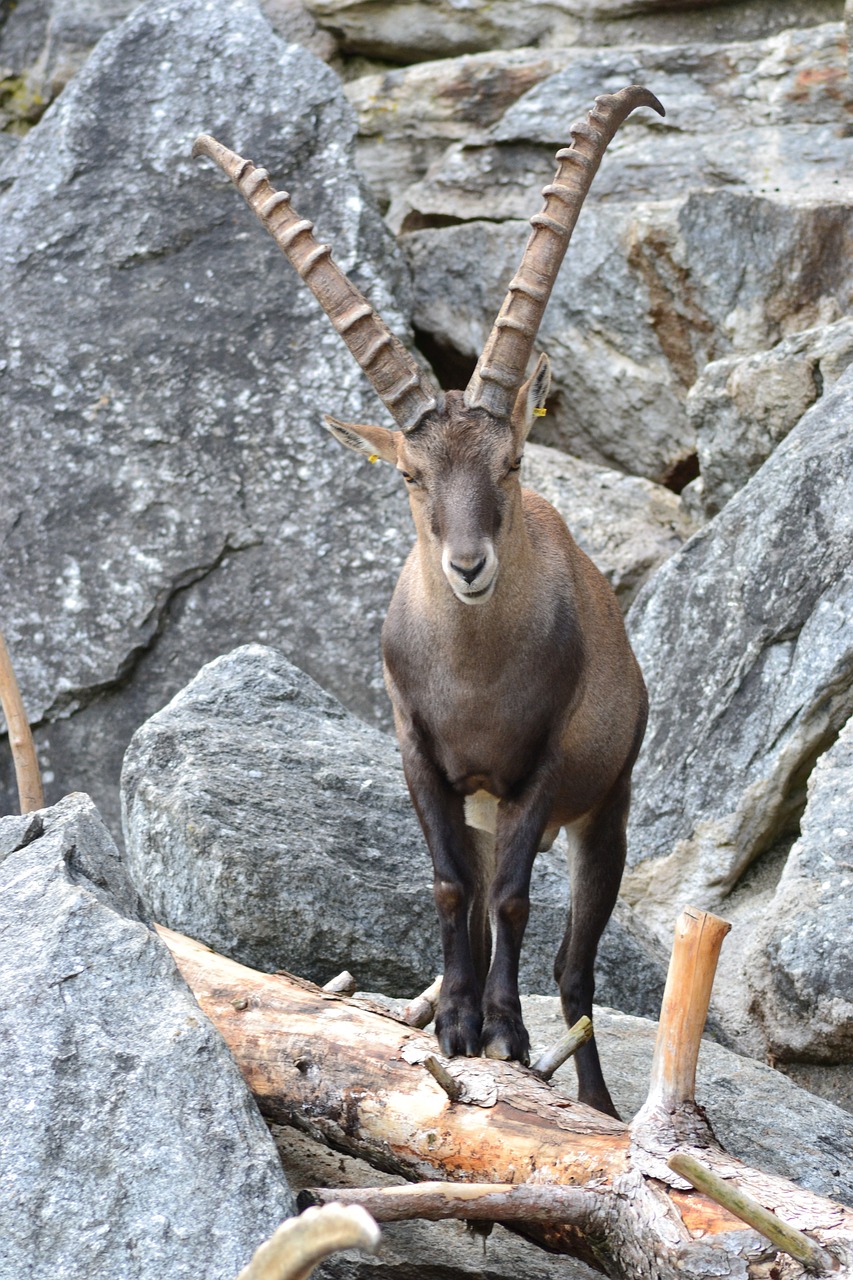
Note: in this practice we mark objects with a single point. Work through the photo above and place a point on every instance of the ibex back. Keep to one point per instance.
(518, 704)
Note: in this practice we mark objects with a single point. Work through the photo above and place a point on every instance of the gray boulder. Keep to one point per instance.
(412, 30)
(407, 116)
(130, 1145)
(743, 406)
(746, 642)
(777, 106)
(757, 1113)
(266, 820)
(800, 968)
(695, 244)
(183, 496)
(44, 43)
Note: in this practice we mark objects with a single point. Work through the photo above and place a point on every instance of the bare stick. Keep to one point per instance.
(696, 949)
(443, 1077)
(343, 985)
(27, 773)
(299, 1244)
(477, 1201)
(745, 1207)
(421, 1011)
(552, 1059)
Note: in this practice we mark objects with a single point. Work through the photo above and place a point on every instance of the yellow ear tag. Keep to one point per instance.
(539, 413)
(374, 457)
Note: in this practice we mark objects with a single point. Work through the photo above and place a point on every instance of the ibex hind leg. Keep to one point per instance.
(596, 861)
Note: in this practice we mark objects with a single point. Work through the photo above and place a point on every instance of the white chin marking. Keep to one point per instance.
(475, 597)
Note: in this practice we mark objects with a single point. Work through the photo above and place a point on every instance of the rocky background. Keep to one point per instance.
(189, 562)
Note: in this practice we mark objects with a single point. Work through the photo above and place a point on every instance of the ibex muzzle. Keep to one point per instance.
(518, 704)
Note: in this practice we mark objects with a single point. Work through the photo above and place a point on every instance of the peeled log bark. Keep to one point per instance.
(354, 1079)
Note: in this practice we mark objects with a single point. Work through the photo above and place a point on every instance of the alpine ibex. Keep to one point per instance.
(518, 703)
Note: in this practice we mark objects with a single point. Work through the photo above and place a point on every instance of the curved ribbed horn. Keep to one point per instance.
(501, 368)
(395, 376)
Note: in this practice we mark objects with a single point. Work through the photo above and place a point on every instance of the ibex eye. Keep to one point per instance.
(409, 479)
(517, 464)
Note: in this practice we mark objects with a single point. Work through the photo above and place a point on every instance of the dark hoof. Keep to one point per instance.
(506, 1038)
(458, 1032)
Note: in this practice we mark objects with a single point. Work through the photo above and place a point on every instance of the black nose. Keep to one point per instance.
(469, 574)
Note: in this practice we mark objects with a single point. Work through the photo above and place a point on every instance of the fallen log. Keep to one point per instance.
(355, 1079)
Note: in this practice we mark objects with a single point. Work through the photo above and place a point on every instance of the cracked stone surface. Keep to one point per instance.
(799, 968)
(130, 1145)
(441, 28)
(269, 822)
(168, 489)
(743, 406)
(695, 243)
(746, 642)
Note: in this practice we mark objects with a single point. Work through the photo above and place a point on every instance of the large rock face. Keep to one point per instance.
(168, 489)
(745, 638)
(183, 497)
(439, 28)
(129, 1145)
(743, 406)
(799, 969)
(266, 820)
(695, 244)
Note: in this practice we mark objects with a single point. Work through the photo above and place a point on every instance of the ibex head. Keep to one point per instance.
(460, 466)
(459, 454)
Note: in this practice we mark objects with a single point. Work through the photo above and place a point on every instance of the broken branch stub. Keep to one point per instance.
(693, 964)
(552, 1059)
(744, 1206)
(421, 1011)
(24, 758)
(473, 1202)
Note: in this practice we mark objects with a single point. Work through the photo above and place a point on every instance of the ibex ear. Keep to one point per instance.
(373, 442)
(530, 401)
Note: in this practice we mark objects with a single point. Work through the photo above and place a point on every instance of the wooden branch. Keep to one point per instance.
(552, 1059)
(474, 1202)
(421, 1011)
(300, 1244)
(343, 985)
(355, 1079)
(696, 950)
(669, 1118)
(27, 772)
(443, 1077)
(746, 1207)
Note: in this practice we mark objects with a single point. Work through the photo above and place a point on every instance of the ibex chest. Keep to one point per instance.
(485, 714)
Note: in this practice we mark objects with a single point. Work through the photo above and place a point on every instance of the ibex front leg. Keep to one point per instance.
(441, 811)
(519, 832)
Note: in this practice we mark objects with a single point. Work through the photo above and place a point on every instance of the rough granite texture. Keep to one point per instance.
(440, 28)
(743, 406)
(746, 641)
(168, 489)
(266, 820)
(800, 968)
(695, 243)
(130, 1146)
